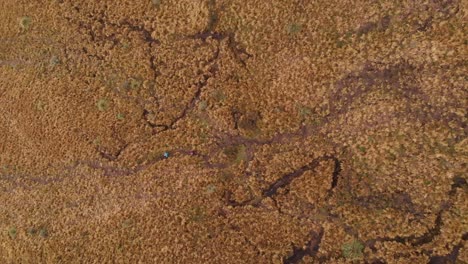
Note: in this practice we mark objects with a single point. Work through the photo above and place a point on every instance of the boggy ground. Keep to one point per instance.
(297, 131)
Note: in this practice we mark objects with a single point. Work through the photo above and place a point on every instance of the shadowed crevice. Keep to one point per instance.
(452, 256)
(310, 249)
(432, 232)
(286, 179)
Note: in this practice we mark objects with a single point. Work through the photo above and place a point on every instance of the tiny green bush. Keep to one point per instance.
(25, 22)
(54, 61)
(12, 232)
(352, 250)
(120, 116)
(102, 104)
(134, 83)
(156, 3)
(43, 233)
(32, 231)
(294, 28)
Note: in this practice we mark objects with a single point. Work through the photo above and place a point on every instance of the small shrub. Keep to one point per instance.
(43, 233)
(97, 141)
(127, 223)
(156, 3)
(249, 122)
(54, 61)
(12, 232)
(236, 153)
(134, 83)
(352, 250)
(294, 28)
(362, 149)
(102, 105)
(40, 105)
(32, 231)
(210, 189)
(197, 214)
(218, 95)
(202, 105)
(25, 22)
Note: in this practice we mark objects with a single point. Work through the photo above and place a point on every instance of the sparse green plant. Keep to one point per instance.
(352, 250)
(102, 104)
(210, 189)
(218, 95)
(119, 247)
(391, 156)
(97, 141)
(202, 105)
(43, 233)
(12, 232)
(340, 43)
(197, 214)
(317, 121)
(120, 116)
(125, 45)
(40, 105)
(362, 149)
(294, 28)
(156, 3)
(236, 153)
(213, 18)
(225, 176)
(32, 231)
(304, 111)
(127, 223)
(25, 22)
(241, 153)
(54, 61)
(134, 83)
(249, 123)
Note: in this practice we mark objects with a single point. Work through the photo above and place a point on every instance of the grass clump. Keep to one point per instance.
(25, 22)
(32, 231)
(127, 223)
(249, 123)
(362, 149)
(40, 105)
(156, 3)
(236, 153)
(120, 116)
(352, 250)
(197, 214)
(43, 233)
(202, 105)
(54, 61)
(12, 232)
(210, 189)
(218, 96)
(134, 83)
(102, 104)
(294, 28)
